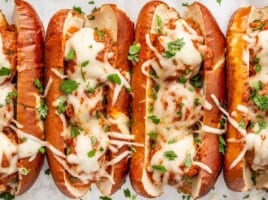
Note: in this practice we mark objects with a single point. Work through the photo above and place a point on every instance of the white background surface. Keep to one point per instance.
(44, 188)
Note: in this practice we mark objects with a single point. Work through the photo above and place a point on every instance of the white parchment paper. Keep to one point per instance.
(44, 188)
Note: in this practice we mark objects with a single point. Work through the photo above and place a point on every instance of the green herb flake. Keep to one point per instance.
(107, 128)
(257, 85)
(262, 125)
(253, 177)
(196, 101)
(78, 9)
(24, 171)
(173, 47)
(37, 83)
(222, 145)
(257, 68)
(159, 168)
(42, 150)
(182, 79)
(241, 124)
(159, 23)
(91, 153)
(24, 139)
(261, 102)
(246, 196)
(91, 2)
(47, 172)
(7, 196)
(219, 2)
(85, 63)
(185, 4)
(4, 71)
(61, 104)
(154, 119)
(68, 151)
(68, 86)
(73, 179)
(188, 160)
(114, 78)
(90, 89)
(170, 155)
(70, 55)
(152, 135)
(105, 198)
(196, 81)
(100, 32)
(42, 109)
(127, 193)
(133, 52)
(75, 131)
(11, 96)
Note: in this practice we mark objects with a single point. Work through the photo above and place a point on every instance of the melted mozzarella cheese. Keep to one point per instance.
(182, 148)
(9, 150)
(6, 110)
(95, 72)
(4, 62)
(187, 57)
(82, 160)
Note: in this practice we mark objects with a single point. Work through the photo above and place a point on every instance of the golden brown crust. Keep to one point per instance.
(214, 72)
(30, 43)
(237, 79)
(138, 84)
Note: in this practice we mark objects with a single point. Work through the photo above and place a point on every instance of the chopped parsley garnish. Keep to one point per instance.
(91, 2)
(4, 71)
(186, 197)
(7, 196)
(98, 114)
(257, 68)
(133, 53)
(153, 74)
(38, 85)
(196, 81)
(246, 196)
(253, 176)
(241, 124)
(100, 32)
(257, 85)
(42, 109)
(42, 150)
(196, 101)
(185, 4)
(182, 79)
(24, 171)
(222, 145)
(78, 9)
(70, 55)
(75, 131)
(73, 179)
(262, 125)
(258, 25)
(152, 135)
(159, 23)
(187, 179)
(128, 194)
(90, 89)
(105, 198)
(219, 2)
(114, 78)
(107, 128)
(155, 90)
(170, 155)
(11, 96)
(91, 153)
(85, 63)
(222, 122)
(188, 160)
(68, 86)
(24, 139)
(261, 102)
(47, 171)
(68, 151)
(173, 47)
(159, 168)
(61, 105)
(154, 119)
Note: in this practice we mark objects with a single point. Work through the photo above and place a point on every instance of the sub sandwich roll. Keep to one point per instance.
(22, 107)
(179, 66)
(246, 158)
(87, 73)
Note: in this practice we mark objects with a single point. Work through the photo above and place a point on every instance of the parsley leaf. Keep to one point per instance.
(261, 102)
(188, 160)
(70, 55)
(159, 168)
(133, 53)
(159, 23)
(114, 78)
(222, 144)
(91, 153)
(75, 131)
(170, 155)
(196, 81)
(78, 9)
(105, 198)
(11, 96)
(173, 47)
(39, 85)
(7, 196)
(68, 86)
(154, 119)
(61, 105)
(4, 71)
(42, 109)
